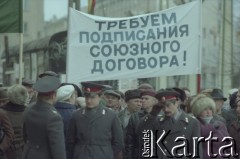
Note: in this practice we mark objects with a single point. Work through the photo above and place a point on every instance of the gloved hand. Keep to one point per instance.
(157, 108)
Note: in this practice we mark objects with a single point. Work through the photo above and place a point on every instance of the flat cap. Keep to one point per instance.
(27, 82)
(47, 84)
(112, 93)
(48, 73)
(167, 94)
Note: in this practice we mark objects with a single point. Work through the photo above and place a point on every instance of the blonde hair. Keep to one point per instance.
(200, 103)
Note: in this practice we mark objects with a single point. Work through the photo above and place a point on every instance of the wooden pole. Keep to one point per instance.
(20, 57)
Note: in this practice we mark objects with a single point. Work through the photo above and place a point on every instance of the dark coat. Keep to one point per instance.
(65, 110)
(15, 114)
(8, 132)
(234, 132)
(186, 126)
(218, 130)
(132, 146)
(43, 133)
(95, 135)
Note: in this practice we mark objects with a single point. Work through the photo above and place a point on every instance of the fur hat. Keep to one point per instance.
(65, 92)
(132, 94)
(18, 94)
(148, 92)
(200, 103)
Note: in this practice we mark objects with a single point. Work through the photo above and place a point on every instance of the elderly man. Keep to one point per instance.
(113, 98)
(43, 125)
(132, 142)
(94, 131)
(133, 101)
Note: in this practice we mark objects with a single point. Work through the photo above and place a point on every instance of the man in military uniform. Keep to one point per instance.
(94, 131)
(168, 127)
(43, 126)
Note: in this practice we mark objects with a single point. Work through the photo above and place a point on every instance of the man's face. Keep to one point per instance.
(170, 107)
(238, 109)
(219, 104)
(134, 105)
(238, 96)
(148, 101)
(92, 101)
(111, 100)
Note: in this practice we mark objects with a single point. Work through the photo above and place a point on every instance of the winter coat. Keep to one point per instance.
(95, 134)
(219, 131)
(132, 147)
(43, 132)
(186, 127)
(15, 114)
(234, 132)
(6, 127)
(65, 110)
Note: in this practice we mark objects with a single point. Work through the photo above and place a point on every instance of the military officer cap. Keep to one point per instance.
(27, 82)
(92, 89)
(182, 94)
(48, 73)
(47, 84)
(167, 94)
(112, 93)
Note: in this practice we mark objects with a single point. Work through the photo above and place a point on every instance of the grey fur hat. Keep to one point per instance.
(201, 102)
(18, 94)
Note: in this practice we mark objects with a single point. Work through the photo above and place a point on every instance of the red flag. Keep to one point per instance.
(91, 6)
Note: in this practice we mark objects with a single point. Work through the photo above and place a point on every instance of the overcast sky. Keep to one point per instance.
(57, 7)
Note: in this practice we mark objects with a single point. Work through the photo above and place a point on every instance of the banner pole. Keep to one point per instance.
(198, 83)
(20, 57)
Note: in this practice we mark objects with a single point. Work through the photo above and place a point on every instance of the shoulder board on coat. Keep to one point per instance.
(161, 118)
(83, 110)
(186, 120)
(103, 111)
(55, 112)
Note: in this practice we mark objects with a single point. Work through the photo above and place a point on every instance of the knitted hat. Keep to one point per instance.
(65, 92)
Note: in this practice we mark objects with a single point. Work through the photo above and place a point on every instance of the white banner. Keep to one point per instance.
(164, 43)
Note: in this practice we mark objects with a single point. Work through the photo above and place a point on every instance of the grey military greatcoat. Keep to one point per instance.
(186, 127)
(43, 133)
(95, 135)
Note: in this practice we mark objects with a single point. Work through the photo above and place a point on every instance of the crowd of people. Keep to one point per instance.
(48, 119)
